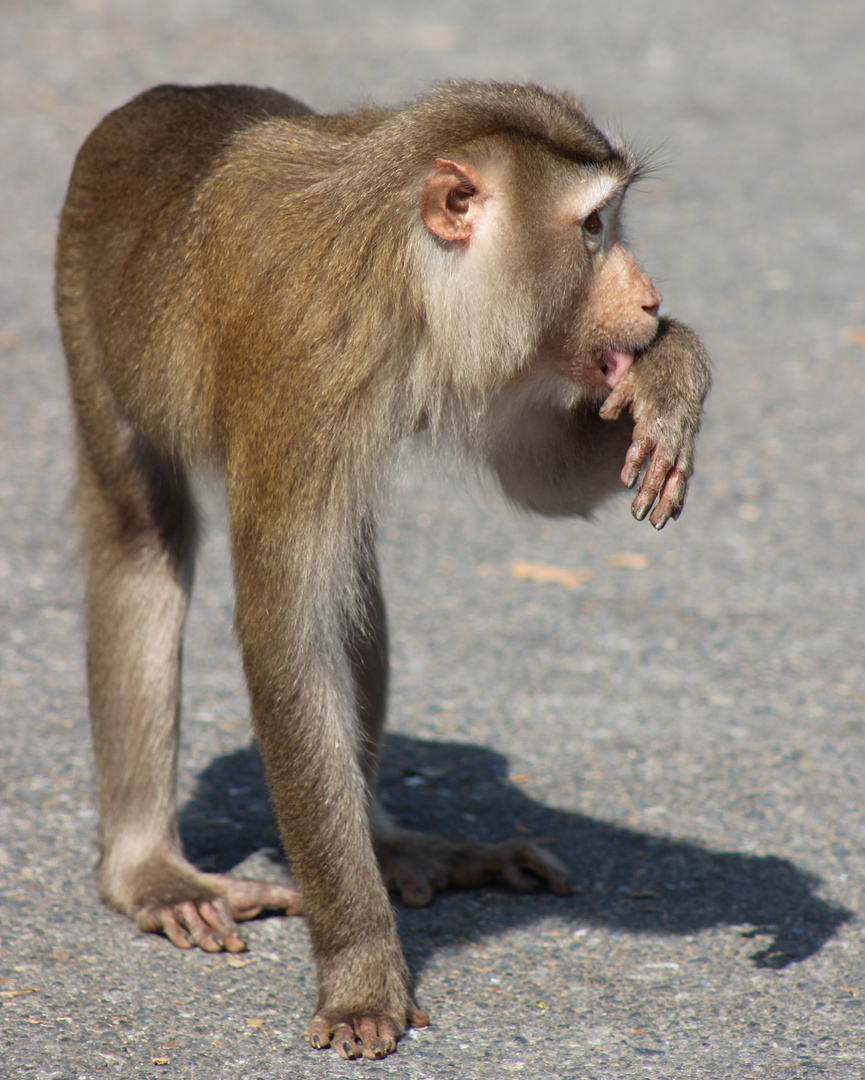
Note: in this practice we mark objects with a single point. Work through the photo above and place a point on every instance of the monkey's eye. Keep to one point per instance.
(593, 224)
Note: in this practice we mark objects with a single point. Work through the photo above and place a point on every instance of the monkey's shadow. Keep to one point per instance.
(625, 880)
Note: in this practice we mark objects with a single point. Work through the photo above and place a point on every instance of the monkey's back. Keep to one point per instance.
(131, 289)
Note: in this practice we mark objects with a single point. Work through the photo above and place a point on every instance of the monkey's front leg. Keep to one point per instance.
(305, 714)
(310, 749)
(664, 391)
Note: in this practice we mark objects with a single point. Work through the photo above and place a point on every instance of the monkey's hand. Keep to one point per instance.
(664, 391)
(416, 865)
(353, 1035)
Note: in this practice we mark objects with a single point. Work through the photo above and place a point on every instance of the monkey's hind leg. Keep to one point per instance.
(139, 540)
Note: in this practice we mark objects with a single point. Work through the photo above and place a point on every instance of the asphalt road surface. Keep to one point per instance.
(681, 713)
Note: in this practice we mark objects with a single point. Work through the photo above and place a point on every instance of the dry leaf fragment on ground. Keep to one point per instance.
(550, 575)
(628, 560)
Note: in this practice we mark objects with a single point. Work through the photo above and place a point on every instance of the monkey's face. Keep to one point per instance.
(601, 305)
(615, 318)
(532, 266)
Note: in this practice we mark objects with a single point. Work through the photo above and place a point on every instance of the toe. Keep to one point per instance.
(346, 1042)
(217, 916)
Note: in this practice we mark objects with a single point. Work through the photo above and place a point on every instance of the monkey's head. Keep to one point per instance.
(524, 264)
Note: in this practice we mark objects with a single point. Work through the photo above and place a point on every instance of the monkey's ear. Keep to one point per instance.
(450, 204)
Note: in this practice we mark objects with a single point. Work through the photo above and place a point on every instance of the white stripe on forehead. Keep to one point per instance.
(593, 190)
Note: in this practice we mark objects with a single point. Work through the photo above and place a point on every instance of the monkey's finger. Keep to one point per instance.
(643, 502)
(319, 1033)
(370, 1037)
(247, 899)
(162, 920)
(183, 926)
(518, 880)
(635, 458)
(671, 499)
(618, 400)
(217, 915)
(416, 891)
(346, 1043)
(530, 866)
(200, 932)
(660, 467)
(416, 1017)
(375, 1036)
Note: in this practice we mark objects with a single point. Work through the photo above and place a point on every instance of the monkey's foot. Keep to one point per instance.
(416, 865)
(354, 1035)
(169, 896)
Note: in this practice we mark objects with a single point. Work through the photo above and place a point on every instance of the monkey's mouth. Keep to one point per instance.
(614, 365)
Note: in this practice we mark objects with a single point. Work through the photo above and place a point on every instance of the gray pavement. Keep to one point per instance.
(685, 724)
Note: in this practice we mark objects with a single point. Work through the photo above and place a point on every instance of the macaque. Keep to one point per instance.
(245, 284)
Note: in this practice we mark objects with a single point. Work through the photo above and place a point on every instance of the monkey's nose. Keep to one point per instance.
(654, 303)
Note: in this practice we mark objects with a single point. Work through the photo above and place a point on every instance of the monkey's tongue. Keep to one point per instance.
(614, 365)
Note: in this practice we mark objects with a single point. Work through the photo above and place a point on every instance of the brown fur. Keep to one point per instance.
(243, 283)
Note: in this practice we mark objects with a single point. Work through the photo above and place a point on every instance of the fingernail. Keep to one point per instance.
(315, 1041)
